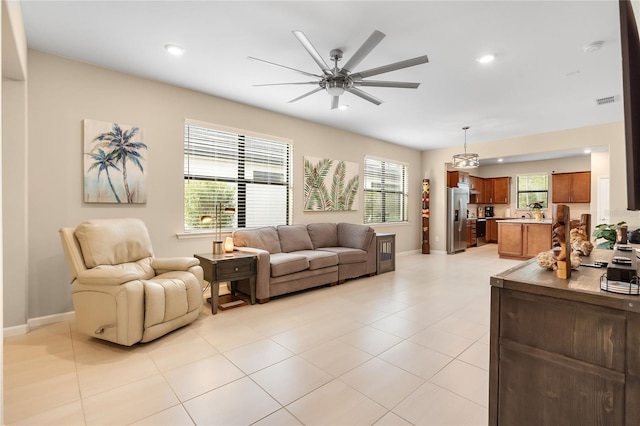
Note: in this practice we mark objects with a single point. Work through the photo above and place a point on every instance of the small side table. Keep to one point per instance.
(386, 253)
(232, 267)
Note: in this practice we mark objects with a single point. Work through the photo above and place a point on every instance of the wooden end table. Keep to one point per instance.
(228, 267)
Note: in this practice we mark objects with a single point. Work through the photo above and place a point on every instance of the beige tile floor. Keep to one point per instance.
(405, 347)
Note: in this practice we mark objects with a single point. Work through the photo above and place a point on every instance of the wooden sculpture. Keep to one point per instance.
(561, 240)
(425, 216)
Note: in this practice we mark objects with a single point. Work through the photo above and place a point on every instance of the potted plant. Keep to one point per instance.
(536, 210)
(608, 232)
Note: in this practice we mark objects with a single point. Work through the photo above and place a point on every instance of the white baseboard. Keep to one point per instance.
(15, 330)
(37, 322)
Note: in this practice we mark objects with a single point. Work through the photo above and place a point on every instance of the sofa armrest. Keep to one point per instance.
(263, 273)
(107, 276)
(168, 264)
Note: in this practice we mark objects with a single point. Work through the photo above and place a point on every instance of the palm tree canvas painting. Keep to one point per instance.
(114, 163)
(330, 185)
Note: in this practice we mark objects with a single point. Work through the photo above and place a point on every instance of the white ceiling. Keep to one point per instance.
(542, 80)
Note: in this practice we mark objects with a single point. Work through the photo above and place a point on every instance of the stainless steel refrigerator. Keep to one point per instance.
(457, 199)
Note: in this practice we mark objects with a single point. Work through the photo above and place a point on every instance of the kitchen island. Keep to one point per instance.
(523, 238)
(562, 352)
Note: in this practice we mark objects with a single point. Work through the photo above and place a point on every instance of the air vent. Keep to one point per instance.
(606, 100)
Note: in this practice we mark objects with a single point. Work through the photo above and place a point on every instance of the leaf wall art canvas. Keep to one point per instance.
(330, 185)
(115, 166)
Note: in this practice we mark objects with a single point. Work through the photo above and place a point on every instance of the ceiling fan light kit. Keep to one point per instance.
(336, 81)
(466, 160)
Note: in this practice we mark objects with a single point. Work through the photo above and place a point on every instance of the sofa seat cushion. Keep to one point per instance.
(347, 254)
(287, 263)
(294, 238)
(323, 234)
(319, 259)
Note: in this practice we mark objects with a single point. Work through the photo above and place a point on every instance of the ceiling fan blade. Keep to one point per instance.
(285, 84)
(312, 51)
(335, 100)
(286, 67)
(306, 94)
(364, 95)
(391, 67)
(373, 40)
(378, 83)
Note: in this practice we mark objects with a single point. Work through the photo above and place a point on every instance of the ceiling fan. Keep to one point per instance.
(337, 80)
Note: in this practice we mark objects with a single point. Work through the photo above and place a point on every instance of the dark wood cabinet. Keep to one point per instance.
(562, 352)
(571, 187)
(456, 177)
(476, 188)
(492, 230)
(523, 240)
(495, 191)
(471, 233)
(501, 190)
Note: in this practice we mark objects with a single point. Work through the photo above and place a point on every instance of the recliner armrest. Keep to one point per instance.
(168, 264)
(104, 276)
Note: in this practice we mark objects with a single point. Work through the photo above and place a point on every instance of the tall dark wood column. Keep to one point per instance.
(426, 187)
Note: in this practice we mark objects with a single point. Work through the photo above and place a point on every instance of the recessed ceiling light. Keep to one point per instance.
(587, 151)
(343, 107)
(485, 59)
(174, 49)
(500, 160)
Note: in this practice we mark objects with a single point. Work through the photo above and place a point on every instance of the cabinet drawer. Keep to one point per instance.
(583, 332)
(231, 269)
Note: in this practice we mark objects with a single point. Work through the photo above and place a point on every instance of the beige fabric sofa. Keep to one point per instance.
(297, 257)
(120, 291)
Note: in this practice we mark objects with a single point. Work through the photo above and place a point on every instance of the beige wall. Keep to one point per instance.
(62, 93)
(571, 164)
(608, 135)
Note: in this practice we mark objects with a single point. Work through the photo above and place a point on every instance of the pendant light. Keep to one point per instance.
(466, 161)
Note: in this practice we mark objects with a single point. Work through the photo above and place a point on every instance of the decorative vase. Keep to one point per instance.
(537, 216)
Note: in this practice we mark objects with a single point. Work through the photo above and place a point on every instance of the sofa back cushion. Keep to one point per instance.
(261, 238)
(354, 235)
(294, 238)
(113, 241)
(323, 234)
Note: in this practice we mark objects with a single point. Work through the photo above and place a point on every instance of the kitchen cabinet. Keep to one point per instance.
(571, 187)
(492, 230)
(523, 240)
(562, 352)
(496, 190)
(476, 188)
(456, 177)
(471, 233)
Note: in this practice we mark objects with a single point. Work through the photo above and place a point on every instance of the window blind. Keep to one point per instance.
(225, 168)
(385, 191)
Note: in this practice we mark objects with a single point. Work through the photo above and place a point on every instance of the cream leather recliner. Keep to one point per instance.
(121, 292)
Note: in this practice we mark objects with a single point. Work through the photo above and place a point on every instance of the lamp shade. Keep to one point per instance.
(228, 245)
(466, 160)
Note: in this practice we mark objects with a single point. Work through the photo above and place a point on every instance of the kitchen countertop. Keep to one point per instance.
(526, 220)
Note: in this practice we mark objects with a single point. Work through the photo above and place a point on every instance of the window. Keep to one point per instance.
(533, 189)
(385, 191)
(231, 168)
